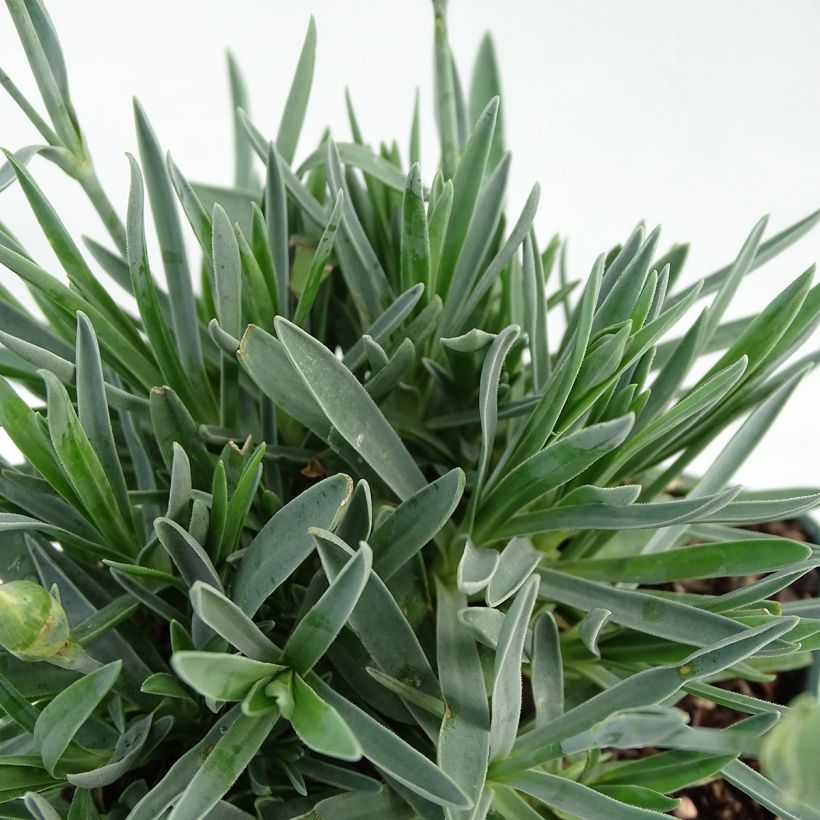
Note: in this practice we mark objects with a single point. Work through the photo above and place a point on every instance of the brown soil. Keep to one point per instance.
(718, 800)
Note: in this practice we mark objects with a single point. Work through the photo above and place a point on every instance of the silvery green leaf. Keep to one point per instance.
(490, 273)
(619, 301)
(191, 560)
(61, 719)
(484, 623)
(262, 570)
(164, 684)
(22, 426)
(228, 620)
(638, 610)
(320, 726)
(589, 628)
(39, 807)
(362, 269)
(463, 749)
(484, 85)
(470, 342)
(393, 755)
(266, 362)
(169, 233)
(542, 472)
(319, 262)
(761, 789)
(358, 518)
(378, 621)
(467, 181)
(575, 798)
(175, 371)
(393, 372)
(23, 156)
(667, 771)
(68, 254)
(351, 411)
(634, 729)
(293, 113)
(415, 242)
(182, 771)
(92, 411)
(488, 405)
(546, 670)
(127, 752)
(677, 419)
(506, 694)
(516, 563)
(179, 494)
(338, 776)
(536, 313)
(741, 266)
(625, 254)
(222, 767)
(82, 465)
(476, 568)
(437, 222)
(51, 294)
(478, 240)
(42, 49)
(445, 93)
(741, 557)
(754, 511)
(276, 222)
(621, 496)
(433, 705)
(731, 650)
(732, 455)
(639, 690)
(227, 273)
(318, 628)
(385, 324)
(607, 517)
(540, 423)
(243, 170)
(511, 805)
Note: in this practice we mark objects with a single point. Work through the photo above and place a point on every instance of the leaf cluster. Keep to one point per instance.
(372, 509)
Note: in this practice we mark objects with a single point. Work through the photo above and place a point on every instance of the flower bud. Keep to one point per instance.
(33, 624)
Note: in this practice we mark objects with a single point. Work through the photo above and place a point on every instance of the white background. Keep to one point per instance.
(701, 115)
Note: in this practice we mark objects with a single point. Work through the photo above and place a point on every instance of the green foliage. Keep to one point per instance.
(366, 513)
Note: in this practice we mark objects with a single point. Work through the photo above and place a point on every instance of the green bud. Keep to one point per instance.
(33, 624)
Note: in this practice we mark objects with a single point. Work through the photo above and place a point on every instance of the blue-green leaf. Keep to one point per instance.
(222, 766)
(293, 114)
(463, 749)
(263, 569)
(506, 694)
(351, 411)
(415, 522)
(318, 628)
(61, 719)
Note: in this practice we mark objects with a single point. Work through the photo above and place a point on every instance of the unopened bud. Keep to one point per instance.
(33, 624)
